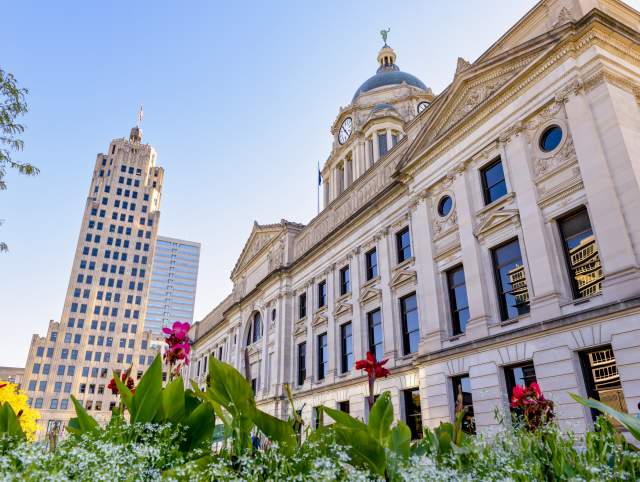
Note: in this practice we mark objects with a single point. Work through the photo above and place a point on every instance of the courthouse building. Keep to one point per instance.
(101, 327)
(479, 238)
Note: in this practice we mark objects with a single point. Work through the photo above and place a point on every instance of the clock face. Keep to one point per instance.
(345, 130)
(422, 106)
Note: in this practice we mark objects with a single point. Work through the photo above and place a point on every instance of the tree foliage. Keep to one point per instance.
(12, 106)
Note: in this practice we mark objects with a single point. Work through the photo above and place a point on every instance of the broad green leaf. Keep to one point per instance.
(200, 423)
(276, 429)
(9, 422)
(147, 399)
(381, 418)
(630, 422)
(344, 419)
(173, 401)
(400, 440)
(83, 421)
(230, 389)
(364, 450)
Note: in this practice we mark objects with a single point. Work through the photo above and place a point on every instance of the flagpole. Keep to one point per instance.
(318, 190)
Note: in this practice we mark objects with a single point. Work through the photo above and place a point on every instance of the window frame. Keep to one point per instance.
(346, 353)
(454, 310)
(403, 252)
(302, 305)
(406, 334)
(371, 269)
(322, 341)
(371, 332)
(502, 304)
(301, 359)
(486, 196)
(322, 294)
(345, 280)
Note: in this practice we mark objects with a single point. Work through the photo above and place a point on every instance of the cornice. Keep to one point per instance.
(595, 28)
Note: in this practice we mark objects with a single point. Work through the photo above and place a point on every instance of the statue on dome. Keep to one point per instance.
(384, 33)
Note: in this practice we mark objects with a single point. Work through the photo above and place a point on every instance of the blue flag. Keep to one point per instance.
(319, 175)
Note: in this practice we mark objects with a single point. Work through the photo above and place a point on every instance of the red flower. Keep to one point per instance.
(178, 331)
(178, 351)
(516, 398)
(372, 366)
(536, 388)
(125, 376)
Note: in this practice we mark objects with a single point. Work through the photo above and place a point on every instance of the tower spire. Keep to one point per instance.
(136, 132)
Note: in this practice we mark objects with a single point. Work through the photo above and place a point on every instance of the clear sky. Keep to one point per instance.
(238, 100)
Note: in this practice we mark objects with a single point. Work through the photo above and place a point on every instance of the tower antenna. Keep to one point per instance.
(140, 116)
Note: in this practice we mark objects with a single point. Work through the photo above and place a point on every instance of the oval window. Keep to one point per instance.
(550, 138)
(445, 205)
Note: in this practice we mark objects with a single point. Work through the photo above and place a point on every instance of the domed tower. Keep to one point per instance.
(371, 126)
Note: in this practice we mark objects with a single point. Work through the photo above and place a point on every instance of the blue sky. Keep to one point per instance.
(238, 99)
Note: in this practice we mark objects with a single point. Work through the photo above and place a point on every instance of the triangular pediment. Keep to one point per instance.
(495, 220)
(319, 318)
(300, 329)
(369, 294)
(343, 308)
(260, 237)
(403, 276)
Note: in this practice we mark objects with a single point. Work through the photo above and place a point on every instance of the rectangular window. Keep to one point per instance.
(410, 324)
(302, 362)
(344, 406)
(412, 412)
(602, 379)
(463, 400)
(458, 302)
(523, 374)
(511, 280)
(345, 280)
(382, 143)
(322, 294)
(302, 305)
(374, 323)
(493, 184)
(346, 347)
(403, 244)
(371, 261)
(323, 356)
(581, 254)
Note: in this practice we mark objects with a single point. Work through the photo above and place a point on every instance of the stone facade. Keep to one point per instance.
(553, 106)
(102, 322)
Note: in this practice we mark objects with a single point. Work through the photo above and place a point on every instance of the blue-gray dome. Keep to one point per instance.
(388, 77)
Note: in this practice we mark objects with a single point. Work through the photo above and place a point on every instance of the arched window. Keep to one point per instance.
(255, 329)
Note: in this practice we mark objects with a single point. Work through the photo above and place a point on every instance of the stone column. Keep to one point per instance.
(542, 285)
(475, 280)
(357, 323)
(310, 334)
(618, 259)
(376, 147)
(429, 309)
(389, 140)
(385, 264)
(332, 336)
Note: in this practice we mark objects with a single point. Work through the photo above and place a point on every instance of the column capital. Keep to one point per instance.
(575, 87)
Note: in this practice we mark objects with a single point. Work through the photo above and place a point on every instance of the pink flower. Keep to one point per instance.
(536, 389)
(372, 366)
(517, 395)
(178, 351)
(178, 330)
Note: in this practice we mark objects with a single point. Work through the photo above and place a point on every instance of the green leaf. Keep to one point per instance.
(200, 423)
(400, 440)
(173, 402)
(9, 422)
(230, 389)
(344, 419)
(630, 422)
(381, 418)
(147, 400)
(277, 430)
(83, 422)
(364, 450)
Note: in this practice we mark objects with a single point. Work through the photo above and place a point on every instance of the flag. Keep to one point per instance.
(319, 175)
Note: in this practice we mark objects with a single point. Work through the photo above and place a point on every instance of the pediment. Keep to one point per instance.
(260, 237)
(343, 308)
(369, 293)
(319, 318)
(300, 329)
(403, 276)
(495, 220)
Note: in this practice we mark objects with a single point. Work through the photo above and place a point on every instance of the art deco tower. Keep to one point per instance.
(102, 321)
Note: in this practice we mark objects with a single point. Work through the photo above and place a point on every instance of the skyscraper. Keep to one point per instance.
(174, 276)
(101, 326)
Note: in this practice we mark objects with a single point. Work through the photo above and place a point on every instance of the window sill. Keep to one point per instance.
(371, 282)
(495, 204)
(580, 301)
(343, 297)
(511, 321)
(405, 263)
(453, 338)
